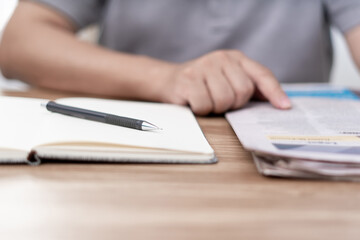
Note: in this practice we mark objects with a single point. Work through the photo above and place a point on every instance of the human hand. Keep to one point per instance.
(220, 81)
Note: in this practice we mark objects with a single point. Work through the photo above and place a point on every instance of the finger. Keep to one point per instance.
(198, 95)
(258, 96)
(265, 81)
(221, 92)
(242, 85)
(267, 84)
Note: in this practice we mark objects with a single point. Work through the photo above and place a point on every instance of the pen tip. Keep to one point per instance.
(146, 126)
(43, 104)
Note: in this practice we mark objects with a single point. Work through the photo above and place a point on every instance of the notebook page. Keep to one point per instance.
(20, 121)
(180, 132)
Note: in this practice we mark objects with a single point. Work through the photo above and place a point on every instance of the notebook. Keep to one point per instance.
(31, 134)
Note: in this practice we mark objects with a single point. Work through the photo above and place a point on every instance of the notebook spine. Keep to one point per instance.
(33, 159)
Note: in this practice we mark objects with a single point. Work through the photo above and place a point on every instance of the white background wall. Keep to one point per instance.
(344, 71)
(6, 8)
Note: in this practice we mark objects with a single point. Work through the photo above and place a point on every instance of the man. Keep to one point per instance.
(213, 55)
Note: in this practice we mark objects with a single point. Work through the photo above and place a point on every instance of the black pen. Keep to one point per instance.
(100, 117)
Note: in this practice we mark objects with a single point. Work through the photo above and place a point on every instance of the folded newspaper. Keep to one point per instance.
(318, 138)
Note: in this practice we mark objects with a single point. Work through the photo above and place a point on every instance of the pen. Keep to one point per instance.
(100, 116)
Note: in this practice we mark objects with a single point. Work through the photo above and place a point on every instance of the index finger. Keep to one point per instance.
(266, 82)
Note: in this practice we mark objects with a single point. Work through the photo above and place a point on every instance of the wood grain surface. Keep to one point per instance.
(227, 200)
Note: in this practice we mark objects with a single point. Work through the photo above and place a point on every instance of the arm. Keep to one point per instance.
(353, 40)
(39, 46)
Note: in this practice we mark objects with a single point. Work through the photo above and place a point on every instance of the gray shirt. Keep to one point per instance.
(291, 37)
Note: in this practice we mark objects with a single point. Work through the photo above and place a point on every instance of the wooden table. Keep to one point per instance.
(228, 200)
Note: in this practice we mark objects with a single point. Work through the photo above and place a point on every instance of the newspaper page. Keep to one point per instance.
(318, 129)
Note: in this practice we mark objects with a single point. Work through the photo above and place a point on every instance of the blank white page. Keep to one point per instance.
(20, 122)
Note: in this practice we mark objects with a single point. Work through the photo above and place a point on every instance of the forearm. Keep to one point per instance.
(353, 40)
(49, 55)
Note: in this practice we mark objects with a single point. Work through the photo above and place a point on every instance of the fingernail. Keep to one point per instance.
(285, 102)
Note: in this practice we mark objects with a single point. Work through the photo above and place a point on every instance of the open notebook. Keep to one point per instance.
(30, 133)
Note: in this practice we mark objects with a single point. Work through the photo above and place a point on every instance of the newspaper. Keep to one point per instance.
(318, 138)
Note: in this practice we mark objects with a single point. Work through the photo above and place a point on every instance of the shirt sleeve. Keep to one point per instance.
(343, 14)
(81, 12)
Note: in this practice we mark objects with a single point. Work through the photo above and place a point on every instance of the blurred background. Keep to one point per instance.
(344, 71)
